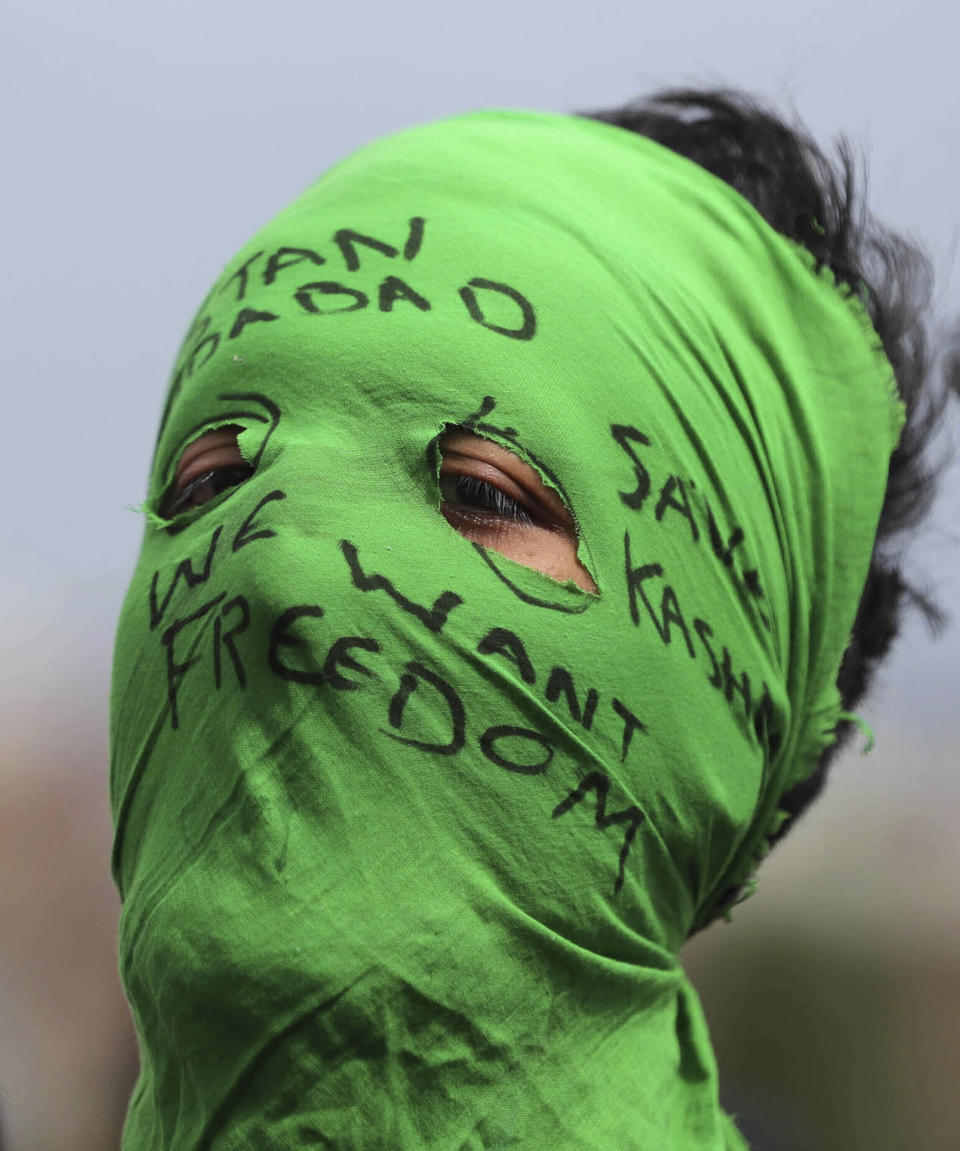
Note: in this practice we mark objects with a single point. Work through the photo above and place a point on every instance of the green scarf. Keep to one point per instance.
(408, 834)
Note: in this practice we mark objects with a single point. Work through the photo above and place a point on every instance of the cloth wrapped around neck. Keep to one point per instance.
(408, 834)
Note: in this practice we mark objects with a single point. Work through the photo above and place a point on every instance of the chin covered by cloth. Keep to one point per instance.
(409, 834)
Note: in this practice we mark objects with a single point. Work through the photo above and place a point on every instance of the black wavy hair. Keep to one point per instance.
(817, 199)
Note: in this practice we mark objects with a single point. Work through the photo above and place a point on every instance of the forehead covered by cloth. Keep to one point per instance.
(578, 270)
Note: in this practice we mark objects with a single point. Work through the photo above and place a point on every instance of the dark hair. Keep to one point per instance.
(814, 199)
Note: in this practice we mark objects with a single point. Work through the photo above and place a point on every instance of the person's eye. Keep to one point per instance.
(496, 500)
(469, 497)
(203, 489)
(208, 466)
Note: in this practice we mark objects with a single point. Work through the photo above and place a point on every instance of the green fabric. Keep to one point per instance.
(409, 835)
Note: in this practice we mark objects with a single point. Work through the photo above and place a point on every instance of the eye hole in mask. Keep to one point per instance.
(487, 494)
(210, 465)
(493, 498)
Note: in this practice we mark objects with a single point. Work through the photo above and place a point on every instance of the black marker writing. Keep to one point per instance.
(669, 607)
(281, 636)
(732, 683)
(176, 671)
(630, 725)
(543, 746)
(625, 437)
(241, 276)
(675, 497)
(184, 571)
(288, 258)
(347, 240)
(432, 618)
(632, 816)
(414, 237)
(561, 683)
(329, 288)
(507, 643)
(705, 632)
(722, 550)
(246, 533)
(227, 638)
(339, 656)
(393, 289)
(669, 616)
(528, 325)
(250, 316)
(414, 674)
(668, 499)
(210, 343)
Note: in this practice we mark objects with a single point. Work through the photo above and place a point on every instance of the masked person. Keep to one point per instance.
(516, 492)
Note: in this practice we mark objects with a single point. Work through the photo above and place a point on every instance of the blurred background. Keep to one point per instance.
(143, 142)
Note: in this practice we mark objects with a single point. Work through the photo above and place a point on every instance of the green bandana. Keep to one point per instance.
(408, 834)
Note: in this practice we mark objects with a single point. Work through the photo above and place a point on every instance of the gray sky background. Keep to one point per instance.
(144, 142)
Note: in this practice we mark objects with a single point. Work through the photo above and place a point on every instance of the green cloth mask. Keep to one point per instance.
(408, 834)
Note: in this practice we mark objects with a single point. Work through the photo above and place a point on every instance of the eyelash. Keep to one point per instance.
(480, 499)
(175, 502)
